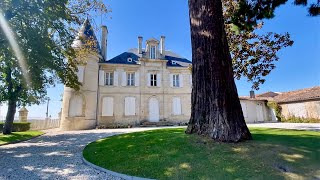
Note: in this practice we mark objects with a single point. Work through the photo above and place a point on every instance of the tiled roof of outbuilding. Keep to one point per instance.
(288, 97)
(299, 95)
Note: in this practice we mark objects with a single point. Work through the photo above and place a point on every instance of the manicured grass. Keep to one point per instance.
(18, 136)
(171, 154)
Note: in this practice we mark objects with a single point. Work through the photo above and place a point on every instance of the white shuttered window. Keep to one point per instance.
(107, 106)
(109, 79)
(130, 79)
(175, 80)
(130, 106)
(176, 106)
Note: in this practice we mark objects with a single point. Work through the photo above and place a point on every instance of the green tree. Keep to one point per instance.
(43, 32)
(253, 54)
(216, 110)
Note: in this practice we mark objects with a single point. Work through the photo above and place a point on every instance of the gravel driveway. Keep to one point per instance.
(57, 155)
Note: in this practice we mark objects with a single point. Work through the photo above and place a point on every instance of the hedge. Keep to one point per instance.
(18, 126)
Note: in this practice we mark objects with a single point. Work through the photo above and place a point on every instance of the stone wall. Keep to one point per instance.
(307, 109)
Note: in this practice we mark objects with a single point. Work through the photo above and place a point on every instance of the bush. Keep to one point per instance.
(18, 126)
(294, 119)
(277, 108)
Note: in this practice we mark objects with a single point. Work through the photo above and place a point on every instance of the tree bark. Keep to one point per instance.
(7, 128)
(216, 110)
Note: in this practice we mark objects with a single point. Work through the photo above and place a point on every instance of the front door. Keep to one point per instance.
(154, 110)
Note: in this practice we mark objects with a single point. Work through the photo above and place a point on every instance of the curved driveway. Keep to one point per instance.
(57, 155)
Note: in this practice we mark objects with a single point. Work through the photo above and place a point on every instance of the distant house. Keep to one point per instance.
(255, 109)
(304, 103)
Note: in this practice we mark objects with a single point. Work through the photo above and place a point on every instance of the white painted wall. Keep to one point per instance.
(255, 111)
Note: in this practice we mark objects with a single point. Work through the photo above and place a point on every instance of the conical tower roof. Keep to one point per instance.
(86, 32)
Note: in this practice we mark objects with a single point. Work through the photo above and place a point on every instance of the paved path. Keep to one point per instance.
(57, 155)
(299, 126)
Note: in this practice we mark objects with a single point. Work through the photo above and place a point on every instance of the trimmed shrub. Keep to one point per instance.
(294, 119)
(18, 126)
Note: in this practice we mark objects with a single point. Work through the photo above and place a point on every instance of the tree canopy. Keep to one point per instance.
(253, 54)
(250, 12)
(43, 31)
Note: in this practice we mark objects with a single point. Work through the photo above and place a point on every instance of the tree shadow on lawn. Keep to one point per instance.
(171, 154)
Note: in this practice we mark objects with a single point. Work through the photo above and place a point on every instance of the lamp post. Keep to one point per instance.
(47, 108)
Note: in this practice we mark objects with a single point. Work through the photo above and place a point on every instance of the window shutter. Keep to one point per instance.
(148, 79)
(80, 73)
(116, 78)
(171, 80)
(176, 106)
(244, 108)
(123, 79)
(130, 106)
(159, 80)
(107, 106)
(137, 78)
(101, 77)
(181, 80)
(133, 106)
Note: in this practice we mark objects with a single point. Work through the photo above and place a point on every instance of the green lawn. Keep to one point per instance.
(171, 154)
(18, 136)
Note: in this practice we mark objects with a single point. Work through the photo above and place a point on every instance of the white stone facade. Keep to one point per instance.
(143, 84)
(142, 101)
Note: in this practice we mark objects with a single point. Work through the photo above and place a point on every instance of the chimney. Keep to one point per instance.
(140, 44)
(252, 94)
(162, 41)
(104, 42)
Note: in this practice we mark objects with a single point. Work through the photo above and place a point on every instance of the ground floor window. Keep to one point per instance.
(176, 106)
(107, 106)
(130, 106)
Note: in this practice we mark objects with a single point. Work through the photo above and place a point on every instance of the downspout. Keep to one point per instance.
(98, 95)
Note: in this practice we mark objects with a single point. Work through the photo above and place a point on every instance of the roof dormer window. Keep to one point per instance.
(153, 52)
(129, 59)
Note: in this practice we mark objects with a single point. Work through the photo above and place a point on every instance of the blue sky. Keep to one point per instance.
(298, 67)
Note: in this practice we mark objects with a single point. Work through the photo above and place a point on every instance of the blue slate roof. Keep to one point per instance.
(86, 32)
(173, 59)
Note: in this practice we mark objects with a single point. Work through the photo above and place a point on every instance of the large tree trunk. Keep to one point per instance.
(7, 128)
(216, 111)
